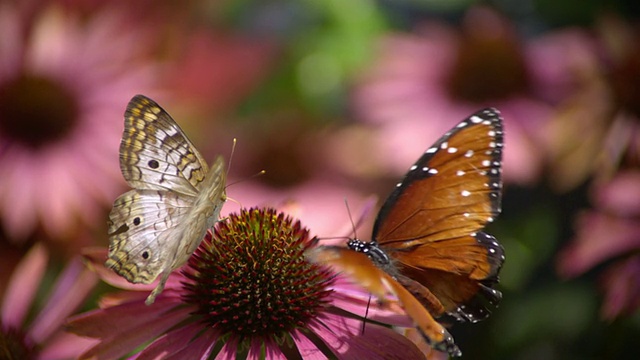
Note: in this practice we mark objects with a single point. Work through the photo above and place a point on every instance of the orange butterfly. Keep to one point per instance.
(427, 248)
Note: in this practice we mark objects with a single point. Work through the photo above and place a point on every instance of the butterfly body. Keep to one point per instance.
(155, 227)
(427, 248)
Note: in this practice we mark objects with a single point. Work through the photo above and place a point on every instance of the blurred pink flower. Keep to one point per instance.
(610, 231)
(319, 204)
(247, 291)
(621, 284)
(597, 135)
(217, 70)
(42, 337)
(64, 82)
(423, 83)
(595, 131)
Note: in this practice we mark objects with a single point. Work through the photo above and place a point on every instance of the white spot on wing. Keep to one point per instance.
(444, 145)
(452, 150)
(465, 193)
(432, 171)
(475, 119)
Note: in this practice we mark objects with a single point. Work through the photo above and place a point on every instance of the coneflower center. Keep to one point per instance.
(36, 111)
(487, 68)
(252, 280)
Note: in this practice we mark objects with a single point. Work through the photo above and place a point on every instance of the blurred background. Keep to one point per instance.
(335, 100)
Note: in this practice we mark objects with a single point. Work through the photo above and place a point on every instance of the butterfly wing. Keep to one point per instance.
(361, 269)
(430, 225)
(176, 198)
(140, 237)
(154, 152)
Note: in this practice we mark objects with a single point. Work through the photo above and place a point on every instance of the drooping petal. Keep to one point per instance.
(23, 286)
(102, 322)
(187, 342)
(64, 346)
(600, 236)
(308, 350)
(72, 287)
(622, 286)
(119, 343)
(378, 342)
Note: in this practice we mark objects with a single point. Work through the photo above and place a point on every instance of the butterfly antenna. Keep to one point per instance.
(366, 313)
(233, 151)
(353, 224)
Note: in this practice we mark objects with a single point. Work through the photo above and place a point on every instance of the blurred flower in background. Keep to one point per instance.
(597, 135)
(30, 322)
(335, 99)
(594, 130)
(610, 233)
(64, 82)
(248, 291)
(423, 83)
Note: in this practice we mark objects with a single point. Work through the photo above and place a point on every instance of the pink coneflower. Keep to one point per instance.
(610, 232)
(600, 138)
(63, 83)
(596, 129)
(422, 83)
(248, 291)
(42, 337)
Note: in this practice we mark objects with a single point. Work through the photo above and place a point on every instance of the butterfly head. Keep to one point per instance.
(371, 249)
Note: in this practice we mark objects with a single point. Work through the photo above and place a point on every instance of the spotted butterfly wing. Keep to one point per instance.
(176, 197)
(427, 236)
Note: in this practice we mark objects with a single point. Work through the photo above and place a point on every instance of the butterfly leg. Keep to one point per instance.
(158, 289)
(433, 332)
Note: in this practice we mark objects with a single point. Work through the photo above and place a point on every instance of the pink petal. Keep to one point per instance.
(23, 286)
(229, 350)
(344, 335)
(123, 337)
(19, 198)
(66, 346)
(271, 349)
(306, 347)
(101, 323)
(186, 341)
(382, 343)
(198, 349)
(622, 286)
(621, 195)
(71, 289)
(599, 237)
(57, 208)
